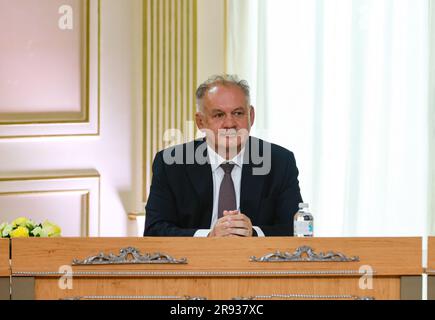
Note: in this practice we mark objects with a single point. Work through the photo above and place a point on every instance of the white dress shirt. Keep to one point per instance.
(218, 175)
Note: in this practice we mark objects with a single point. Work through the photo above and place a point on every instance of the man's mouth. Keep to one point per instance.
(229, 134)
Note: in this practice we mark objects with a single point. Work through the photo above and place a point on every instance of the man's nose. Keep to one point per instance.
(229, 122)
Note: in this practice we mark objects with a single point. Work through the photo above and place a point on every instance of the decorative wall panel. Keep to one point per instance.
(70, 200)
(170, 60)
(49, 67)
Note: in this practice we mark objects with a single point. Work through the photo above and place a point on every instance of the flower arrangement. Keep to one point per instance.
(26, 228)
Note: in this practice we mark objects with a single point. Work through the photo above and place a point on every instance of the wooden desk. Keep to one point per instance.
(4, 270)
(218, 269)
(431, 269)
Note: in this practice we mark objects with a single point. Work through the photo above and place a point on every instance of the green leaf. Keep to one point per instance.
(2, 226)
(7, 230)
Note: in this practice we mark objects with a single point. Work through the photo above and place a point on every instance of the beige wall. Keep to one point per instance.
(211, 38)
(431, 121)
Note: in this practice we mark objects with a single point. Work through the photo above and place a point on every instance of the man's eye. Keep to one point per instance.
(219, 115)
(238, 114)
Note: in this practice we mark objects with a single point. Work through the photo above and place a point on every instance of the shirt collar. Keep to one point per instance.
(216, 160)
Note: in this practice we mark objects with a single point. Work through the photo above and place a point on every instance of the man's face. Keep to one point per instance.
(226, 118)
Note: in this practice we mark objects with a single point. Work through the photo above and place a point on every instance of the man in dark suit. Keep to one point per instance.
(227, 184)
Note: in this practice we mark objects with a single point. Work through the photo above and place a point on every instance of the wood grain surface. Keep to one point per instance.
(431, 256)
(215, 288)
(4, 258)
(386, 256)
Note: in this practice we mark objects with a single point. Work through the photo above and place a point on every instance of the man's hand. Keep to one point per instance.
(232, 224)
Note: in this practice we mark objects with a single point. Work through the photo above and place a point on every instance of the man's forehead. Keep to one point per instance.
(216, 106)
(224, 97)
(216, 109)
(221, 93)
(213, 89)
(219, 87)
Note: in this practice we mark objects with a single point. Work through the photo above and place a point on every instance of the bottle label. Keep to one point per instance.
(303, 229)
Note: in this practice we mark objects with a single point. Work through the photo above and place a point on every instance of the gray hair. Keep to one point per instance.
(226, 80)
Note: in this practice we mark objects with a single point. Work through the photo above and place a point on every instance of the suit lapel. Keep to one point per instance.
(250, 189)
(201, 177)
(251, 186)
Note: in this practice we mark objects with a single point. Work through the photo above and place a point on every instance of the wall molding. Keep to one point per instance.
(170, 75)
(85, 123)
(39, 187)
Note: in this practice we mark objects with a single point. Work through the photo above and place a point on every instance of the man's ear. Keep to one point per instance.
(199, 120)
(252, 115)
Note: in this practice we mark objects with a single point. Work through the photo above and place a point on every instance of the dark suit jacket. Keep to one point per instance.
(181, 195)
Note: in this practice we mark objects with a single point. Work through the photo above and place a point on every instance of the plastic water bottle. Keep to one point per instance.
(303, 222)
